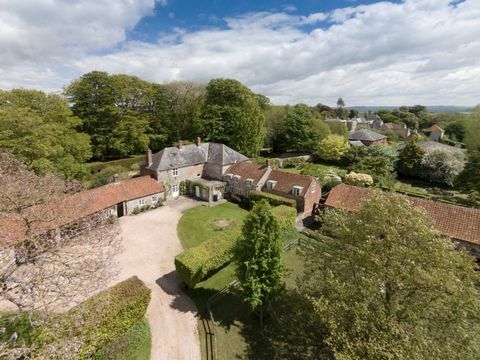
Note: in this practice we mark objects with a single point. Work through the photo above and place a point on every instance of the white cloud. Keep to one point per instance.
(418, 51)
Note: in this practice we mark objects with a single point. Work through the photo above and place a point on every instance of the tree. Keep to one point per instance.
(46, 267)
(353, 113)
(410, 159)
(340, 103)
(472, 138)
(341, 112)
(377, 166)
(469, 178)
(442, 166)
(258, 255)
(41, 130)
(232, 115)
(387, 285)
(304, 128)
(276, 117)
(332, 147)
(338, 128)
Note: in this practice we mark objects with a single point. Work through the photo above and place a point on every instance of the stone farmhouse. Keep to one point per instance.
(243, 177)
(461, 224)
(367, 137)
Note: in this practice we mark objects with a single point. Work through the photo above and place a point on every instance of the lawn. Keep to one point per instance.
(201, 223)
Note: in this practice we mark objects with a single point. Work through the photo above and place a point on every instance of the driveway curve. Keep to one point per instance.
(150, 244)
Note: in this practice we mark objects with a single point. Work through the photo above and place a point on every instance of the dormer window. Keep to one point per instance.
(271, 184)
(297, 190)
(228, 176)
(249, 182)
(236, 177)
(175, 172)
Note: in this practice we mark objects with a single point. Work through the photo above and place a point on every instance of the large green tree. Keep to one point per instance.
(410, 159)
(304, 129)
(258, 256)
(332, 147)
(472, 137)
(389, 286)
(41, 130)
(232, 115)
(442, 166)
(469, 178)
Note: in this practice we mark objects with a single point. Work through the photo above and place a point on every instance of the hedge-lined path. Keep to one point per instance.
(150, 244)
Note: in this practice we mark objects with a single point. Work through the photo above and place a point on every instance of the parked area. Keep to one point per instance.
(150, 243)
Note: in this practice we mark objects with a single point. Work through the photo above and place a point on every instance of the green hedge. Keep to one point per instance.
(285, 215)
(135, 344)
(126, 163)
(195, 264)
(102, 318)
(272, 199)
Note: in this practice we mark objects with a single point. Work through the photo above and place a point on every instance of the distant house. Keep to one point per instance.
(243, 177)
(434, 132)
(200, 162)
(459, 223)
(401, 130)
(115, 199)
(368, 137)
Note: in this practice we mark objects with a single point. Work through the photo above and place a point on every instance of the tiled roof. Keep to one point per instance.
(434, 128)
(247, 170)
(366, 135)
(79, 205)
(392, 126)
(193, 154)
(458, 222)
(286, 181)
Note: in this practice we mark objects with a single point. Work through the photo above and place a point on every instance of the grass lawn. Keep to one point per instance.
(201, 223)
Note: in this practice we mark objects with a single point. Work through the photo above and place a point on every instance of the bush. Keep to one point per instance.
(293, 162)
(134, 344)
(126, 164)
(358, 179)
(105, 176)
(195, 264)
(102, 318)
(273, 200)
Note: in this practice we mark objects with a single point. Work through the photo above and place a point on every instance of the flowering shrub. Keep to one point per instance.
(358, 179)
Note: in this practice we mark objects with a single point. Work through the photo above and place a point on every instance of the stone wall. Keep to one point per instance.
(185, 173)
(132, 204)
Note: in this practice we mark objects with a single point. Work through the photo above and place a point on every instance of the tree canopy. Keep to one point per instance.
(410, 159)
(232, 115)
(41, 130)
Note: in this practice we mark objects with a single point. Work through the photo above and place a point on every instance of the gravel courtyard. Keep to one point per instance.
(150, 244)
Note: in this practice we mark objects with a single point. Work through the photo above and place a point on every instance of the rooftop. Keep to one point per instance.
(458, 222)
(193, 154)
(247, 170)
(434, 128)
(366, 135)
(286, 181)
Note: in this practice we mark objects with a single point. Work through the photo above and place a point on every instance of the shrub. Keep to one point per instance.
(293, 162)
(134, 344)
(195, 264)
(285, 216)
(105, 176)
(358, 179)
(102, 318)
(272, 199)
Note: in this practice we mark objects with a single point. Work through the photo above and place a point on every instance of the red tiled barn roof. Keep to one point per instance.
(458, 222)
(80, 205)
(286, 181)
(247, 170)
(434, 128)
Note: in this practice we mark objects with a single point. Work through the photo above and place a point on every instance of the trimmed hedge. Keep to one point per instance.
(195, 264)
(104, 317)
(135, 344)
(272, 199)
(126, 163)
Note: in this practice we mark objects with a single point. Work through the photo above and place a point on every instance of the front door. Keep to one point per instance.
(120, 210)
(175, 191)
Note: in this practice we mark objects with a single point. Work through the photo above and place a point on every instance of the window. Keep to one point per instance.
(297, 190)
(174, 188)
(271, 184)
(141, 202)
(236, 177)
(314, 187)
(154, 198)
(249, 182)
(228, 176)
(175, 172)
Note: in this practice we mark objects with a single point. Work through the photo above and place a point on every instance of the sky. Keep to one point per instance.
(310, 51)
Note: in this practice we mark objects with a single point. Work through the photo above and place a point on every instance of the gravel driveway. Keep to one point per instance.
(150, 244)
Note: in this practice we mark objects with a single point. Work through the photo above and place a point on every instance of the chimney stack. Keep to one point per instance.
(148, 155)
(180, 145)
(199, 141)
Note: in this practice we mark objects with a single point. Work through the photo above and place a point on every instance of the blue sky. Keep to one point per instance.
(401, 52)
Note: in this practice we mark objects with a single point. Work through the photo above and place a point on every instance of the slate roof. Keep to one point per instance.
(429, 146)
(247, 170)
(458, 222)
(286, 181)
(80, 205)
(188, 155)
(366, 135)
(356, 143)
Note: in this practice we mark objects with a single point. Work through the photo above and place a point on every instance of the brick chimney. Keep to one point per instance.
(148, 157)
(199, 141)
(180, 145)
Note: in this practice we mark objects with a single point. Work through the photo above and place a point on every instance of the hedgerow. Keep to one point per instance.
(272, 199)
(194, 264)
